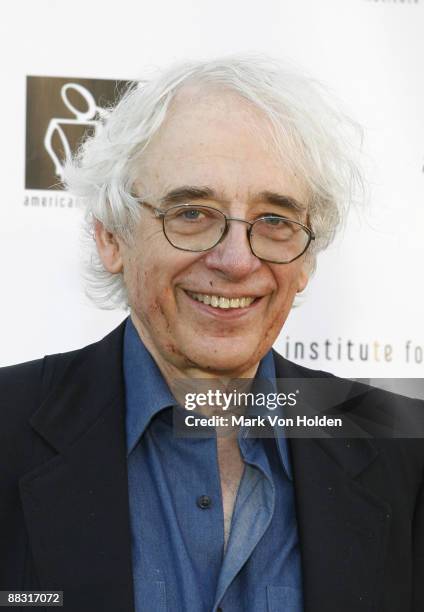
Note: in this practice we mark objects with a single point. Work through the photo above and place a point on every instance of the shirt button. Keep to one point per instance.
(204, 501)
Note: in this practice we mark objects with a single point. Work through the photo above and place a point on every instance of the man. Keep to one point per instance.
(209, 191)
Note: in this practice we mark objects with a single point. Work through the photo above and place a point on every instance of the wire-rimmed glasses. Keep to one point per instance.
(197, 228)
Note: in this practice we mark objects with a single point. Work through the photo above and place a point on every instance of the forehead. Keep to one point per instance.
(213, 137)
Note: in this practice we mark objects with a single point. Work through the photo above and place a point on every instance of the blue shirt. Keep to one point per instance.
(179, 563)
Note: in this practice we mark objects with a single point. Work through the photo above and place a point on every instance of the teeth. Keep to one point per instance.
(218, 301)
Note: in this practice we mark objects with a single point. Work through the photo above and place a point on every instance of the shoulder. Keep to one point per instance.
(25, 379)
(23, 386)
(20, 377)
(391, 422)
(351, 388)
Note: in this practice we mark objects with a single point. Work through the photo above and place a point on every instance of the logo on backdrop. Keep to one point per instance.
(60, 113)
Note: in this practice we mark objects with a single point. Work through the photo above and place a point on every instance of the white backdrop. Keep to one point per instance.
(368, 287)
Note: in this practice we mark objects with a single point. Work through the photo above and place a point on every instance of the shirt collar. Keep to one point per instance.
(146, 391)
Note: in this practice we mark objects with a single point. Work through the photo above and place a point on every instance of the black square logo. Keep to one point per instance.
(60, 113)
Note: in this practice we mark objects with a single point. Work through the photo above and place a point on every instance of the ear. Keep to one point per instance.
(109, 248)
(303, 278)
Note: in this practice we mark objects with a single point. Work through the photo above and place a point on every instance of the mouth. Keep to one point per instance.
(221, 302)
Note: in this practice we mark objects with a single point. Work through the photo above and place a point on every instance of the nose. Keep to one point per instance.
(232, 258)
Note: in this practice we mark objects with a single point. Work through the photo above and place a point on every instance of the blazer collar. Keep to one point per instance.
(76, 503)
(343, 527)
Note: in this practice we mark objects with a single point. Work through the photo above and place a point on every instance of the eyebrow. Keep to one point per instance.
(186, 193)
(278, 199)
(180, 195)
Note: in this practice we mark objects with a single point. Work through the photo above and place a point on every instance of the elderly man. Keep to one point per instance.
(209, 190)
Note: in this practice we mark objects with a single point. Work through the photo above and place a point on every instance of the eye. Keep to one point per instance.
(275, 220)
(192, 214)
(274, 227)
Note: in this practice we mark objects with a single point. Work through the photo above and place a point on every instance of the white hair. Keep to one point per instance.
(317, 138)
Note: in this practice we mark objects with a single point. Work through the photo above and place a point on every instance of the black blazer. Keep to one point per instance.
(64, 513)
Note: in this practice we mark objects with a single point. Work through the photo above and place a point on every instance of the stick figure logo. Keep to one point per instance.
(58, 125)
(61, 112)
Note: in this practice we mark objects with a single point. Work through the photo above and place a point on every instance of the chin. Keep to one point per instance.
(223, 357)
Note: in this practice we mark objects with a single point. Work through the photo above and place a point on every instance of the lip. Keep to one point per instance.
(223, 313)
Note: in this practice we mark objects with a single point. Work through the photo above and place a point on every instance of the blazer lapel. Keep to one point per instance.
(76, 504)
(343, 527)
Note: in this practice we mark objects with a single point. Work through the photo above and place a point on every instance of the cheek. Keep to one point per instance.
(282, 300)
(290, 279)
(137, 283)
(152, 294)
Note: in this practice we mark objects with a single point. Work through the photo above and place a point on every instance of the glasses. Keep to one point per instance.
(272, 238)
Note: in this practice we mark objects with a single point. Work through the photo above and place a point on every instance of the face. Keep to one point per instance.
(214, 141)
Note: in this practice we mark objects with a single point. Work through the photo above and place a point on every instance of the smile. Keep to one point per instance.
(219, 301)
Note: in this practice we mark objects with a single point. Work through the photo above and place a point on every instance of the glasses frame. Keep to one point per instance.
(161, 214)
